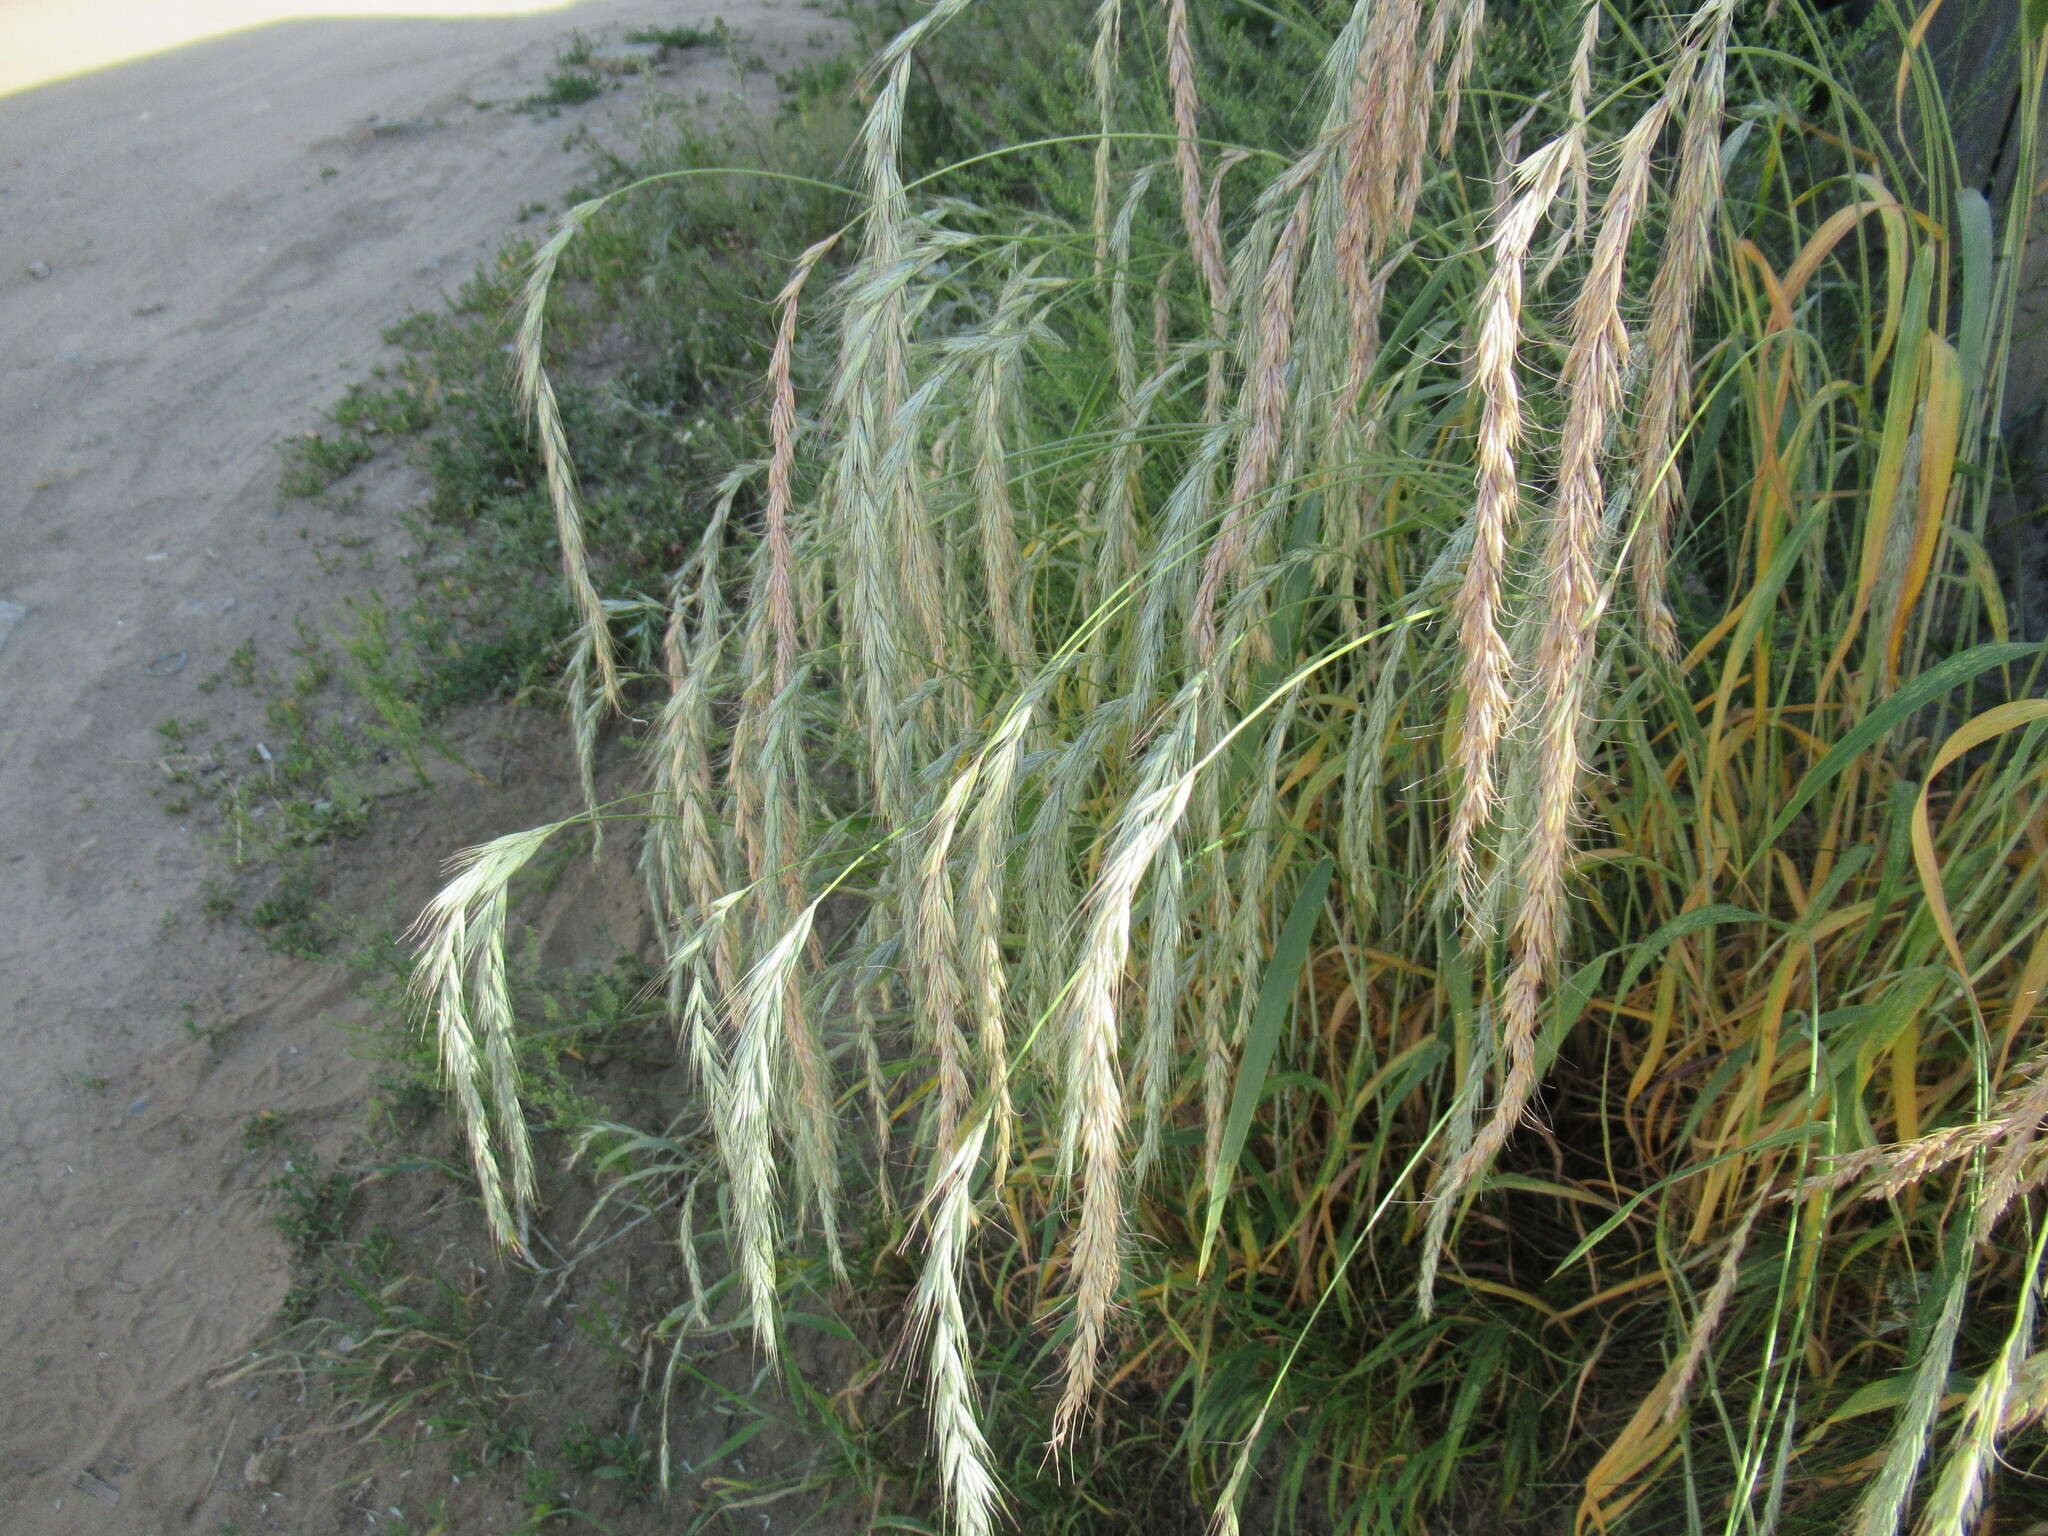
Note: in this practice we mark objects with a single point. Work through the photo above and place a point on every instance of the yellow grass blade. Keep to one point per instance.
(1941, 421)
(1993, 722)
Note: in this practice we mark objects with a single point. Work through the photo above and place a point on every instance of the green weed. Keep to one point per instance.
(393, 1351)
(567, 87)
(188, 1020)
(313, 461)
(620, 1456)
(290, 918)
(177, 734)
(313, 1204)
(678, 39)
(377, 409)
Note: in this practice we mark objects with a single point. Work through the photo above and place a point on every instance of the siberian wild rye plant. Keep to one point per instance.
(1393, 759)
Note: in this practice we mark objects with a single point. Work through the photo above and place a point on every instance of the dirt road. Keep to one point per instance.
(198, 249)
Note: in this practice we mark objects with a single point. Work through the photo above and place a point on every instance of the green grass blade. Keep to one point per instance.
(1276, 992)
(1924, 689)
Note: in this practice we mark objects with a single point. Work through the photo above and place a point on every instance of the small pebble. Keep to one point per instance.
(39, 270)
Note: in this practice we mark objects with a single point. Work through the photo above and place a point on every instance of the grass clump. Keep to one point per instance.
(286, 784)
(566, 87)
(312, 1204)
(1356, 761)
(314, 461)
(655, 318)
(572, 82)
(676, 39)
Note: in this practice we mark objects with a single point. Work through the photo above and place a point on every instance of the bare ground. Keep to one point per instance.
(197, 251)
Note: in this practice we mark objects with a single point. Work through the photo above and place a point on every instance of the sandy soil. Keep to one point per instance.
(197, 251)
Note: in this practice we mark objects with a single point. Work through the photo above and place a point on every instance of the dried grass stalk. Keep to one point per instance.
(972, 1497)
(1383, 154)
(1712, 1311)
(461, 943)
(1265, 400)
(1576, 590)
(1674, 295)
(1091, 1141)
(1487, 664)
(537, 391)
(1205, 239)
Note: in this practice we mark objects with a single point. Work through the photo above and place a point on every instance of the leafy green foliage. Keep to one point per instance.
(313, 461)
